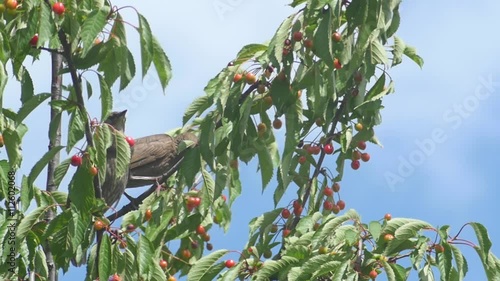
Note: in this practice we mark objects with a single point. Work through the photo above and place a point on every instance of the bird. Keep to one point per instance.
(156, 155)
(113, 187)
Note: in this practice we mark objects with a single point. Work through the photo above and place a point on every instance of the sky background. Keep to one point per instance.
(456, 93)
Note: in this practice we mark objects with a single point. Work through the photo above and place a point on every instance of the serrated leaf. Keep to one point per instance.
(122, 155)
(412, 54)
(106, 98)
(61, 171)
(162, 64)
(265, 164)
(105, 258)
(410, 229)
(28, 221)
(26, 92)
(249, 51)
(40, 165)
(75, 130)
(91, 27)
(200, 269)
(146, 39)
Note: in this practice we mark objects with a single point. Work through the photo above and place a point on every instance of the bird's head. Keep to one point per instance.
(188, 137)
(117, 120)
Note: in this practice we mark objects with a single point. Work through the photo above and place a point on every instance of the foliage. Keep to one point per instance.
(325, 73)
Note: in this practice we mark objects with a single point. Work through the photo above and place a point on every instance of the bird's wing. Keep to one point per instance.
(148, 150)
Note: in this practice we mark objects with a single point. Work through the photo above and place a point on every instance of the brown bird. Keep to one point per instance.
(154, 156)
(113, 186)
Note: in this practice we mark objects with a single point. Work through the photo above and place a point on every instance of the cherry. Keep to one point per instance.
(302, 159)
(285, 213)
(308, 43)
(261, 88)
(355, 164)
(76, 160)
(358, 77)
(206, 237)
(315, 149)
(58, 8)
(163, 264)
(335, 209)
(98, 225)
(388, 237)
(388, 217)
(186, 253)
(231, 63)
(316, 226)
(336, 37)
(277, 123)
(358, 127)
(281, 76)
(362, 145)
(355, 92)
(288, 42)
(356, 155)
(296, 204)
(114, 277)
(328, 148)
(130, 141)
(373, 274)
(210, 247)
(148, 215)
(286, 232)
(439, 248)
(268, 100)
(274, 228)
(1, 141)
(171, 278)
(299, 94)
(237, 77)
(224, 197)
(319, 121)
(197, 201)
(200, 230)
(11, 4)
(130, 228)
(328, 191)
(229, 263)
(298, 211)
(336, 187)
(286, 51)
(341, 204)
(93, 171)
(34, 40)
(250, 78)
(323, 250)
(297, 36)
(328, 205)
(194, 244)
(337, 64)
(365, 157)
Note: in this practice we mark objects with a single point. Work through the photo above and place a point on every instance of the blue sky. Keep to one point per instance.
(456, 94)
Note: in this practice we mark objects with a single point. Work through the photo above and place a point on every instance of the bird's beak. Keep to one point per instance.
(122, 113)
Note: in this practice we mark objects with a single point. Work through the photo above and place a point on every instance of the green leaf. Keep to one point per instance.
(75, 130)
(46, 27)
(482, 237)
(412, 54)
(128, 68)
(375, 228)
(162, 64)
(105, 258)
(263, 220)
(61, 171)
(200, 269)
(146, 39)
(248, 52)
(377, 52)
(322, 39)
(40, 165)
(12, 142)
(460, 261)
(26, 90)
(92, 26)
(409, 229)
(144, 255)
(265, 163)
(122, 154)
(278, 42)
(106, 98)
(81, 190)
(28, 222)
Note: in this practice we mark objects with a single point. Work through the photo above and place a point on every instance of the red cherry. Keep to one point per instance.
(362, 145)
(328, 191)
(163, 264)
(335, 209)
(355, 164)
(298, 211)
(373, 274)
(250, 78)
(356, 155)
(93, 171)
(288, 42)
(337, 64)
(439, 248)
(98, 225)
(277, 123)
(302, 159)
(388, 237)
(237, 77)
(76, 160)
(341, 204)
(186, 254)
(197, 201)
(328, 205)
(328, 148)
(336, 37)
(200, 230)
(296, 204)
(34, 40)
(11, 4)
(229, 263)
(297, 36)
(308, 43)
(148, 215)
(286, 232)
(388, 217)
(365, 157)
(114, 277)
(223, 197)
(130, 228)
(130, 141)
(285, 213)
(58, 8)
